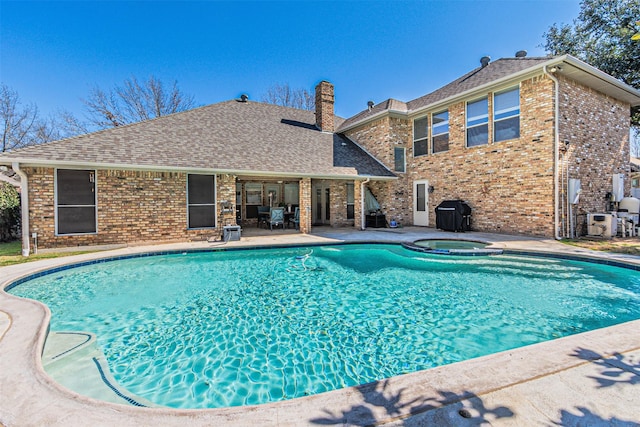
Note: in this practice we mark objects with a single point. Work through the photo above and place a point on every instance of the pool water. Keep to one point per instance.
(227, 328)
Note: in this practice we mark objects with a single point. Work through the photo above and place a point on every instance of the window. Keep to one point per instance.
(506, 115)
(201, 201)
(291, 194)
(75, 201)
(478, 122)
(350, 202)
(398, 156)
(440, 132)
(420, 137)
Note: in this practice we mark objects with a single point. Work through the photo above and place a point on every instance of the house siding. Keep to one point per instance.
(133, 206)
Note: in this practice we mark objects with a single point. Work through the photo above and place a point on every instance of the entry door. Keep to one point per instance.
(421, 203)
(321, 206)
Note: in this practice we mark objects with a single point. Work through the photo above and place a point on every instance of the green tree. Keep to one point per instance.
(602, 36)
(9, 212)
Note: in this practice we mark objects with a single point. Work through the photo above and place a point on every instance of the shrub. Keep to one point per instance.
(9, 212)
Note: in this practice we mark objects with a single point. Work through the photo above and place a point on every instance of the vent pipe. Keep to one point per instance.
(484, 61)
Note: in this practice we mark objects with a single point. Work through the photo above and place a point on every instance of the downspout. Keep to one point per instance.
(556, 152)
(363, 220)
(24, 207)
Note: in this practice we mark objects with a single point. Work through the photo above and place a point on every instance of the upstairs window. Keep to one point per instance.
(201, 201)
(506, 115)
(420, 137)
(478, 122)
(75, 201)
(398, 163)
(440, 132)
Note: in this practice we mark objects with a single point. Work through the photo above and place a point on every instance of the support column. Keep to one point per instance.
(357, 205)
(226, 199)
(305, 205)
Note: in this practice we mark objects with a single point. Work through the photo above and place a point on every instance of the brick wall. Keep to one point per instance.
(594, 130)
(508, 184)
(380, 138)
(133, 206)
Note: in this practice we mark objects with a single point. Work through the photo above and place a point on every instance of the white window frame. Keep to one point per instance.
(507, 110)
(484, 117)
(434, 134)
(56, 206)
(425, 138)
(404, 159)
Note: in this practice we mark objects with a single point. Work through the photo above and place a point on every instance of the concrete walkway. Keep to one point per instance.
(589, 379)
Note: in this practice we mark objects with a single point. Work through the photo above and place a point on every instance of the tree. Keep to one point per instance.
(21, 124)
(9, 212)
(602, 36)
(285, 96)
(132, 102)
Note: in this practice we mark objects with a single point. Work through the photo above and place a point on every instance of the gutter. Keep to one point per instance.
(556, 151)
(182, 169)
(24, 207)
(363, 220)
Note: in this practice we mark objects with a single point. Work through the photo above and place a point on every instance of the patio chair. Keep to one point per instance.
(295, 219)
(276, 217)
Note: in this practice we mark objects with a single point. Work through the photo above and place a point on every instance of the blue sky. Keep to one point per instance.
(52, 53)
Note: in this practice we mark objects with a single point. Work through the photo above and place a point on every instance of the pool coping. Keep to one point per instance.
(35, 399)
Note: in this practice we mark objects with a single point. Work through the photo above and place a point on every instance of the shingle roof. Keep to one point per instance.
(478, 77)
(231, 136)
(387, 105)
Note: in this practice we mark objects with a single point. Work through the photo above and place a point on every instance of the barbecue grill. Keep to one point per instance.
(453, 215)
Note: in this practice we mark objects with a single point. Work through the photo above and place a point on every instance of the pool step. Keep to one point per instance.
(74, 360)
(460, 252)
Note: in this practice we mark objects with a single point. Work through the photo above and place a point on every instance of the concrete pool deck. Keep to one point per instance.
(591, 378)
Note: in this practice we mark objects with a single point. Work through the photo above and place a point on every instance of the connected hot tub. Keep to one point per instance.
(452, 247)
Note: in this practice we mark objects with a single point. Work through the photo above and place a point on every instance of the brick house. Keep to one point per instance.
(505, 137)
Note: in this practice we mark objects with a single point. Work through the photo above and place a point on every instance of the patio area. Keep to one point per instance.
(591, 378)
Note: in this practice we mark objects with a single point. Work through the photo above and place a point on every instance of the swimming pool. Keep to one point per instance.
(230, 328)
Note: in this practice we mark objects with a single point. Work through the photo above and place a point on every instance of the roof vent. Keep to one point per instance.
(244, 97)
(484, 61)
(521, 54)
(370, 105)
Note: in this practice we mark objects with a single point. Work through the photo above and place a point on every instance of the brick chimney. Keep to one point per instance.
(324, 106)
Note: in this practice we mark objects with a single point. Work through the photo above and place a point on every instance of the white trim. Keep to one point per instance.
(24, 207)
(466, 121)
(55, 202)
(29, 162)
(537, 69)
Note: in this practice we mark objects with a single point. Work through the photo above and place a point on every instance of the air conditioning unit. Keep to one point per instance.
(602, 225)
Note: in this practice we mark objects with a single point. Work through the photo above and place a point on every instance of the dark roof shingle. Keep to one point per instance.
(249, 137)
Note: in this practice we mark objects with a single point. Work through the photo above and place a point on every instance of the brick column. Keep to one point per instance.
(305, 205)
(226, 191)
(357, 205)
